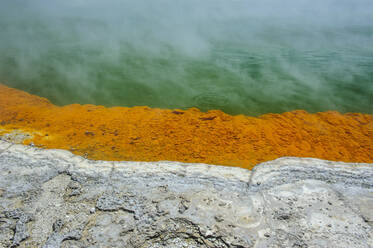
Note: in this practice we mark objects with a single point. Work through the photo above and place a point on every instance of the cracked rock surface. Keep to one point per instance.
(51, 198)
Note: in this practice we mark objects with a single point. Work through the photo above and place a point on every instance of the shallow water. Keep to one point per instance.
(243, 57)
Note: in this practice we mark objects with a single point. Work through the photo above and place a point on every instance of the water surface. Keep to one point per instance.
(243, 57)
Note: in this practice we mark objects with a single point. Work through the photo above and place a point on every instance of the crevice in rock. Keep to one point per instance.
(58, 237)
(21, 232)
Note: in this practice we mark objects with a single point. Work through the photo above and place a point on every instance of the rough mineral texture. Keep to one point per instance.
(151, 134)
(52, 198)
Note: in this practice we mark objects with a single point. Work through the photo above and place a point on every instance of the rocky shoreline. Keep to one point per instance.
(52, 198)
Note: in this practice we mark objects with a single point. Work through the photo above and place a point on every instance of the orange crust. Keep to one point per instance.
(151, 134)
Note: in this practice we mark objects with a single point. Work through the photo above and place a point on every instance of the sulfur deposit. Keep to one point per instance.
(213, 137)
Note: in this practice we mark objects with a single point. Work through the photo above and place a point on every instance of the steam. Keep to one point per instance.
(248, 57)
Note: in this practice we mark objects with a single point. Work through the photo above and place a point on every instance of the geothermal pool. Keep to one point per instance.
(242, 57)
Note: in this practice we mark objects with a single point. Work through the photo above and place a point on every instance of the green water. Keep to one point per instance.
(243, 57)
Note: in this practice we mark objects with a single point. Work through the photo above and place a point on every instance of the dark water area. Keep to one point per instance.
(243, 57)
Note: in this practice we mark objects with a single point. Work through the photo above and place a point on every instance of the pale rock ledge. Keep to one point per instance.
(52, 198)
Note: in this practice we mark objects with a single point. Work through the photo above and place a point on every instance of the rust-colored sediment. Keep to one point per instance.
(151, 134)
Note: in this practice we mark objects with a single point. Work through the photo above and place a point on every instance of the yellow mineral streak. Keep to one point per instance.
(151, 134)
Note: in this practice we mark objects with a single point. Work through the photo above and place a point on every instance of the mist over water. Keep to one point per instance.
(243, 57)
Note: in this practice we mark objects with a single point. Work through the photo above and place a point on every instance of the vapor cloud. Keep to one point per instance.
(242, 56)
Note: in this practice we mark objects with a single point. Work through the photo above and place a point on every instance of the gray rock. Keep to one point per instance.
(20, 230)
(51, 198)
(15, 136)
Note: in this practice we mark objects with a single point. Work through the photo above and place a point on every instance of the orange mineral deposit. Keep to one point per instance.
(151, 134)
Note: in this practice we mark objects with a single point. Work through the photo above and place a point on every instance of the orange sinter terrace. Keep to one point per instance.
(213, 137)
